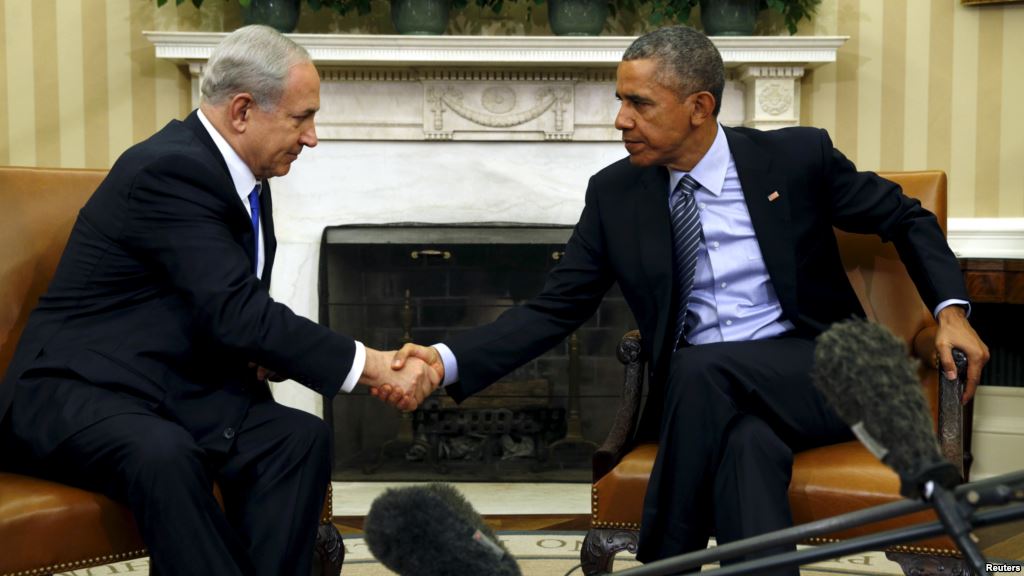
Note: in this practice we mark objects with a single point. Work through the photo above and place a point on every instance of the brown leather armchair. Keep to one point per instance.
(826, 481)
(47, 527)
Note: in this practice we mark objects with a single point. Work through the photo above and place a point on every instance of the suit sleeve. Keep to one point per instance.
(572, 292)
(864, 202)
(180, 226)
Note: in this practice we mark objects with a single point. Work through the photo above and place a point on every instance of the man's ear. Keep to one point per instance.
(703, 107)
(240, 111)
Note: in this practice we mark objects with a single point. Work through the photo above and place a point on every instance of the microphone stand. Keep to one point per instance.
(955, 517)
(870, 542)
(998, 490)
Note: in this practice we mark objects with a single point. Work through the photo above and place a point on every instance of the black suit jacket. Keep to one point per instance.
(624, 235)
(155, 299)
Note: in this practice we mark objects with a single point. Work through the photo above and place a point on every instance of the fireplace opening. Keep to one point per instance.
(387, 285)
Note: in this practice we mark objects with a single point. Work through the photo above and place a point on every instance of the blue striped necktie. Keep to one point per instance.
(254, 205)
(686, 235)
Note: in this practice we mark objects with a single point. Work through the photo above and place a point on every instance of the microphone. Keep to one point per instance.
(432, 530)
(865, 374)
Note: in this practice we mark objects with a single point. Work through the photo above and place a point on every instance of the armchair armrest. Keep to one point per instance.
(951, 423)
(620, 436)
(951, 415)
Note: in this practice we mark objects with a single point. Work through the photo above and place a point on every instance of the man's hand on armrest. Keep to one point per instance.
(955, 331)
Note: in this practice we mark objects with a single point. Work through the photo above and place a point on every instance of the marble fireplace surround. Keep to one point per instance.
(469, 129)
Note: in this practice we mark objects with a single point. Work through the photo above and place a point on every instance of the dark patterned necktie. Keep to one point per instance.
(686, 233)
(254, 205)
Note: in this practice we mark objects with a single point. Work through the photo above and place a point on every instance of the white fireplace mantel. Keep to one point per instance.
(465, 87)
(398, 50)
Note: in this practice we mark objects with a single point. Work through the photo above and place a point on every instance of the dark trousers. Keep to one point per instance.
(273, 480)
(734, 414)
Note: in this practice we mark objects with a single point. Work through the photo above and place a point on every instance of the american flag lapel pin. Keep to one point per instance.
(773, 196)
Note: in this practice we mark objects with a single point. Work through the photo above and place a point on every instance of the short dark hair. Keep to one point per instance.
(687, 61)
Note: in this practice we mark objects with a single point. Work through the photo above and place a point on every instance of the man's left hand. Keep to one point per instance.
(264, 374)
(956, 332)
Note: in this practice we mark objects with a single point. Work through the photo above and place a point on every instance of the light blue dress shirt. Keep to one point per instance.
(733, 298)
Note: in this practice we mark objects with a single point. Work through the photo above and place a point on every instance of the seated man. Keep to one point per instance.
(722, 242)
(142, 372)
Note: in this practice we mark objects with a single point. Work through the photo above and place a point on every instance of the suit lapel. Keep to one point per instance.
(768, 204)
(241, 214)
(227, 186)
(655, 244)
(269, 240)
(196, 125)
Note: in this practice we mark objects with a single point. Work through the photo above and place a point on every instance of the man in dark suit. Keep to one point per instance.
(142, 372)
(722, 242)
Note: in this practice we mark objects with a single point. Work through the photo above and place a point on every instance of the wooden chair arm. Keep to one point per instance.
(952, 429)
(620, 436)
(951, 424)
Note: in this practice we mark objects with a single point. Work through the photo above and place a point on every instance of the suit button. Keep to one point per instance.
(229, 433)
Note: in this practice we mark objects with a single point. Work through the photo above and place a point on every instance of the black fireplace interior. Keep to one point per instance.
(386, 285)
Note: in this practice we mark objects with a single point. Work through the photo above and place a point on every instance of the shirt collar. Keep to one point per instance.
(710, 170)
(241, 175)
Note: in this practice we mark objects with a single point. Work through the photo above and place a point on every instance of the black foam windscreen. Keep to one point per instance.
(432, 530)
(866, 375)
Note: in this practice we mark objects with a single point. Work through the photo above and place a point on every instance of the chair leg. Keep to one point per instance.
(924, 565)
(600, 547)
(330, 551)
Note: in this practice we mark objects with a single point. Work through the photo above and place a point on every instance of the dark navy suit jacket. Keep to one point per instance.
(155, 300)
(624, 235)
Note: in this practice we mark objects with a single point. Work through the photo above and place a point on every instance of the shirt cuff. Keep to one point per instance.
(951, 302)
(451, 366)
(358, 363)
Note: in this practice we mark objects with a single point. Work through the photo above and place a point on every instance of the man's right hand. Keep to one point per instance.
(428, 354)
(403, 388)
(408, 355)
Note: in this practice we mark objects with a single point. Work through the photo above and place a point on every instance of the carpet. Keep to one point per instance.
(539, 553)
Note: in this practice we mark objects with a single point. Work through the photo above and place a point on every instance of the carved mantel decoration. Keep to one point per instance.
(514, 88)
(497, 106)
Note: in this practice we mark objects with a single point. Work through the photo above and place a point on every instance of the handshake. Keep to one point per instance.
(404, 378)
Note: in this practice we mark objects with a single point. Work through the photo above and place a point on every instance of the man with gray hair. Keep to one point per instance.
(722, 242)
(143, 371)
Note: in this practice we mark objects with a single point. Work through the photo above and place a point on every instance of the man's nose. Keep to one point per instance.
(623, 120)
(309, 138)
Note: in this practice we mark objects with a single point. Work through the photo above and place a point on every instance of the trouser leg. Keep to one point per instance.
(755, 469)
(274, 482)
(155, 467)
(709, 387)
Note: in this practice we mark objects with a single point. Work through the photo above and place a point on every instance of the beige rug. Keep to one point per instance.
(558, 554)
(538, 554)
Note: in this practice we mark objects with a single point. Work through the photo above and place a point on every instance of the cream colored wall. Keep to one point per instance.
(920, 84)
(928, 84)
(79, 83)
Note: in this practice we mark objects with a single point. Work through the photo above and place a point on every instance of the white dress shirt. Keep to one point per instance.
(244, 180)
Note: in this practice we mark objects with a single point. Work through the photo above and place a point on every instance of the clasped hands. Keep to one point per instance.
(405, 378)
